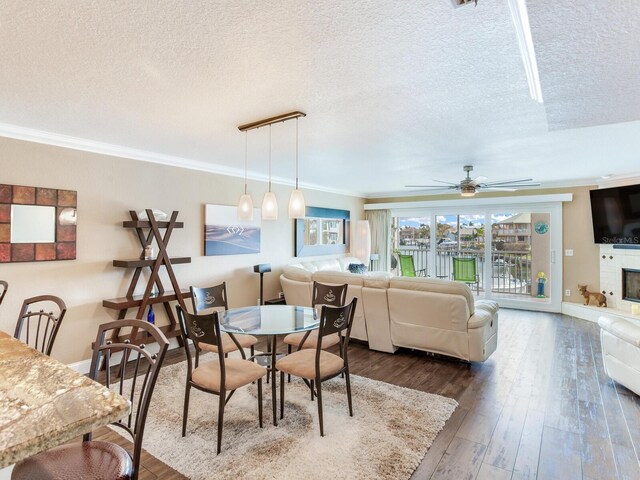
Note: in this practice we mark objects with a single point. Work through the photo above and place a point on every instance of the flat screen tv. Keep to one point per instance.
(616, 215)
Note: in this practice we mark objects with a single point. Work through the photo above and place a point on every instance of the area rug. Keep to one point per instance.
(389, 434)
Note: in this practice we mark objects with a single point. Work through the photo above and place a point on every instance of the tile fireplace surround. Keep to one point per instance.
(612, 261)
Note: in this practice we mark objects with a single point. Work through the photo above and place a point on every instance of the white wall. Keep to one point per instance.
(108, 187)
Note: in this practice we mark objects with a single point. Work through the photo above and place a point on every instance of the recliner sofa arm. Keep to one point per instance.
(623, 329)
(480, 318)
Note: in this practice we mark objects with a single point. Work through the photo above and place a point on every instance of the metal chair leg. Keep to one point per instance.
(288, 353)
(319, 393)
(311, 383)
(220, 419)
(281, 395)
(185, 412)
(260, 401)
(348, 381)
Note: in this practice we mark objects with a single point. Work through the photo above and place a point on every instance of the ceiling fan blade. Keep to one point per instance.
(441, 187)
(498, 189)
(480, 179)
(442, 181)
(515, 185)
(519, 180)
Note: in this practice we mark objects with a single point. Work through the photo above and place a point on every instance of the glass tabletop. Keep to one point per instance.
(268, 320)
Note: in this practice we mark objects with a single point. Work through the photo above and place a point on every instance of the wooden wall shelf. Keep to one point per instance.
(147, 232)
(147, 224)
(121, 303)
(137, 262)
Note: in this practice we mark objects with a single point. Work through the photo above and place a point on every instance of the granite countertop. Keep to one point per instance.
(43, 403)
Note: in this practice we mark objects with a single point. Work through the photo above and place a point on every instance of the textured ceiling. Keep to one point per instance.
(395, 92)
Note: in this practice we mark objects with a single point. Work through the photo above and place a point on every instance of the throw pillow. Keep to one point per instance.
(357, 268)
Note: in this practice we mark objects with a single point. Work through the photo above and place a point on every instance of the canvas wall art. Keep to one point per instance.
(224, 234)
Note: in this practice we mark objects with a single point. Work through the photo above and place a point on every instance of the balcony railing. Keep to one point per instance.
(510, 271)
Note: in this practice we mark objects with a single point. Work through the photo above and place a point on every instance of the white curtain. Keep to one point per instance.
(380, 225)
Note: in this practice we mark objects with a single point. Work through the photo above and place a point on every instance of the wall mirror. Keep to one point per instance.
(37, 224)
(33, 224)
(323, 231)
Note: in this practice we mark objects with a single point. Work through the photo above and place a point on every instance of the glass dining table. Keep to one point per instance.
(269, 321)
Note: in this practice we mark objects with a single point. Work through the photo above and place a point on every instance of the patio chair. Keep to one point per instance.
(465, 270)
(407, 267)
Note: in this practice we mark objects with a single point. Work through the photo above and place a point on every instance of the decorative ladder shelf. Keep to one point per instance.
(165, 297)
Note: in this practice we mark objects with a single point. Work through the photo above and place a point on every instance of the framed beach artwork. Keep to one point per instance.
(224, 234)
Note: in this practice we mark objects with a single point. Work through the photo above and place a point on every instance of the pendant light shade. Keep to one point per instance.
(245, 205)
(269, 206)
(269, 202)
(297, 207)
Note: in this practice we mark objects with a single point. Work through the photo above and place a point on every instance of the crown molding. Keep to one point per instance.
(75, 143)
(619, 180)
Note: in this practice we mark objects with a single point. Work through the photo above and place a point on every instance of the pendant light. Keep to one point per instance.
(297, 208)
(269, 202)
(245, 205)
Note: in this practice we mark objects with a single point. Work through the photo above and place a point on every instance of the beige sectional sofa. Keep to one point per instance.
(427, 314)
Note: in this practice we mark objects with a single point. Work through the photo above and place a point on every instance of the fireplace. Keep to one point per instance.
(631, 284)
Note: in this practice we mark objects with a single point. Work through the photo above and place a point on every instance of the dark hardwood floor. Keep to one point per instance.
(540, 407)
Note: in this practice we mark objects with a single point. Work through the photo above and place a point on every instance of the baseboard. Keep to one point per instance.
(83, 366)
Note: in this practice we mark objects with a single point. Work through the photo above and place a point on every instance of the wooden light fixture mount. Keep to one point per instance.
(271, 120)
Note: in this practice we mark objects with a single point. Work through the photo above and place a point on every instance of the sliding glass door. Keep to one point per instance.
(503, 253)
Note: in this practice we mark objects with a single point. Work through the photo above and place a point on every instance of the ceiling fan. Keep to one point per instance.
(469, 186)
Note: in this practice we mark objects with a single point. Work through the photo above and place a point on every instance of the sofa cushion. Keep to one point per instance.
(331, 265)
(337, 278)
(309, 266)
(435, 285)
(376, 280)
(297, 273)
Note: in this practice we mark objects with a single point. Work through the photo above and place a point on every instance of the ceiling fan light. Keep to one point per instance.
(269, 206)
(245, 207)
(467, 190)
(297, 207)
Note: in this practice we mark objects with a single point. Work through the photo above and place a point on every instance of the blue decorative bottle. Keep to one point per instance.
(151, 317)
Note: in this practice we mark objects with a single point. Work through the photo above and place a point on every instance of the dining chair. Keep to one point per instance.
(5, 286)
(465, 270)
(99, 459)
(215, 298)
(219, 376)
(38, 328)
(334, 295)
(317, 365)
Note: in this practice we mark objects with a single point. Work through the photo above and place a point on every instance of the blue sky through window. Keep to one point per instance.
(451, 220)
